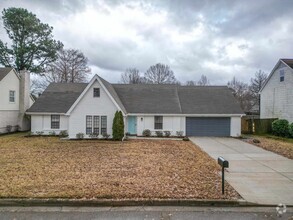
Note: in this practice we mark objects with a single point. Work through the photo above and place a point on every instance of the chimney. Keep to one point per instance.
(24, 99)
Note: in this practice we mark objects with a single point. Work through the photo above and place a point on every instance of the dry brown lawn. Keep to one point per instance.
(277, 145)
(47, 167)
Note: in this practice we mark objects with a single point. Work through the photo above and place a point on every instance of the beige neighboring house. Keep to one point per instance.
(15, 99)
(276, 96)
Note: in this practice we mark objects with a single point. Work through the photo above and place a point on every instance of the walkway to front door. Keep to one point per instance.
(258, 175)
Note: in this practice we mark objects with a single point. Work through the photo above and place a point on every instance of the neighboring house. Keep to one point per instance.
(276, 96)
(90, 107)
(15, 99)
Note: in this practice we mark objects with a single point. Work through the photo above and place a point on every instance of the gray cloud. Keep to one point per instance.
(219, 38)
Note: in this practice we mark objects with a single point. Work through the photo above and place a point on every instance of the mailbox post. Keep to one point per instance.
(224, 164)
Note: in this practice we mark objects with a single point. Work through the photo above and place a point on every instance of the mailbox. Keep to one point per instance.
(223, 163)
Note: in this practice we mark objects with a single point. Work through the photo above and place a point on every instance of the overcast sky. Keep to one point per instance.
(217, 38)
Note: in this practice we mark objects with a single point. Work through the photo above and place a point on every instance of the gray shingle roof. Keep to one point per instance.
(58, 97)
(145, 98)
(289, 62)
(4, 71)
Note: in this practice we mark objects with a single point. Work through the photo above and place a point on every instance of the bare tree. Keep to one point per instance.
(242, 93)
(71, 66)
(131, 76)
(160, 74)
(191, 83)
(256, 84)
(203, 81)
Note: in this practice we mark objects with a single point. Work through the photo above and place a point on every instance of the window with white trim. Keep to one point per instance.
(11, 96)
(89, 124)
(103, 125)
(96, 125)
(158, 122)
(96, 92)
(55, 121)
(282, 75)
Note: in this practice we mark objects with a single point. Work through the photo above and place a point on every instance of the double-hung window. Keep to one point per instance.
(96, 92)
(158, 122)
(55, 121)
(89, 124)
(96, 124)
(103, 125)
(11, 96)
(282, 75)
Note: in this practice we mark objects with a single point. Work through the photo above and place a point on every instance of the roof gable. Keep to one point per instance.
(5, 70)
(110, 94)
(286, 62)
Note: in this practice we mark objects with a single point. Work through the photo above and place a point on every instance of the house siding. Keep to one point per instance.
(170, 123)
(8, 117)
(277, 97)
(43, 123)
(89, 105)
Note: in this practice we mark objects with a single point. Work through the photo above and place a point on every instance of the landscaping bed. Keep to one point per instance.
(279, 145)
(47, 167)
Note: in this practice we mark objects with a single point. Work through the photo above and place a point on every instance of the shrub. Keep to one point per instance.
(167, 133)
(118, 126)
(30, 133)
(179, 133)
(256, 141)
(52, 133)
(280, 127)
(17, 128)
(93, 135)
(146, 133)
(39, 133)
(106, 136)
(8, 128)
(291, 129)
(185, 139)
(80, 135)
(63, 133)
(159, 133)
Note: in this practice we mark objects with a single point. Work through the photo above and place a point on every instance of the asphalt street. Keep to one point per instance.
(160, 213)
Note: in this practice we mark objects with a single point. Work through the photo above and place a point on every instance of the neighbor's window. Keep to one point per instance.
(96, 92)
(55, 121)
(89, 124)
(103, 124)
(96, 124)
(282, 75)
(11, 96)
(158, 122)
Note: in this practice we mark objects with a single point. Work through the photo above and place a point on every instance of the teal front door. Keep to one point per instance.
(132, 124)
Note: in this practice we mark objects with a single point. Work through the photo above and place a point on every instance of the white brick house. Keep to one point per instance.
(276, 96)
(90, 108)
(15, 99)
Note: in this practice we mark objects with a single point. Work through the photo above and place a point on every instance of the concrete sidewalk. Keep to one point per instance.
(258, 175)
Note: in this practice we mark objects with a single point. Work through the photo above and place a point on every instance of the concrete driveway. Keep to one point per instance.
(258, 175)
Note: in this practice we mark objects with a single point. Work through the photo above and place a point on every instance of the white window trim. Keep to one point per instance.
(13, 96)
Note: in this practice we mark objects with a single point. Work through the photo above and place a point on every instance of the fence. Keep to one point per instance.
(254, 125)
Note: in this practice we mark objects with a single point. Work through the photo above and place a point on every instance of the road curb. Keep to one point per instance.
(126, 202)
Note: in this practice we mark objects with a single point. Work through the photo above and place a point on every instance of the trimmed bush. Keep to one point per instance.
(280, 127)
(118, 126)
(185, 139)
(106, 136)
(52, 133)
(179, 133)
(63, 133)
(8, 128)
(291, 129)
(159, 133)
(39, 133)
(80, 135)
(146, 133)
(167, 133)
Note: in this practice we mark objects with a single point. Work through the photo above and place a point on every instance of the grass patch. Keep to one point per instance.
(47, 167)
